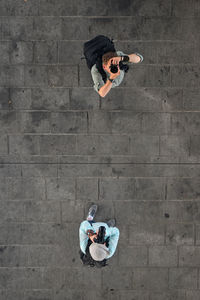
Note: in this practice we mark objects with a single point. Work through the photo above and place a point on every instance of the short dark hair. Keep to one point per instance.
(107, 56)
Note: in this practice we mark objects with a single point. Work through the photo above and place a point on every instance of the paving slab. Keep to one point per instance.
(135, 152)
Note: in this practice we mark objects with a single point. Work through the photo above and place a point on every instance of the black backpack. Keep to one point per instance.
(94, 49)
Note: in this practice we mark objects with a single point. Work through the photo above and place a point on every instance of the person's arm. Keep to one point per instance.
(85, 225)
(134, 58)
(105, 89)
(113, 241)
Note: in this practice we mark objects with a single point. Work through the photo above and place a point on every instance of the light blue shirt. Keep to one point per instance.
(112, 232)
(97, 78)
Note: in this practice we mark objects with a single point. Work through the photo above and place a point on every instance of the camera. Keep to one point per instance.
(113, 68)
(101, 235)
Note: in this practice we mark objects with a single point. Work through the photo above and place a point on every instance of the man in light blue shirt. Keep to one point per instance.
(103, 84)
(93, 252)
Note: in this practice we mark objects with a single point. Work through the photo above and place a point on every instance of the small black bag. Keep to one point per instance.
(96, 48)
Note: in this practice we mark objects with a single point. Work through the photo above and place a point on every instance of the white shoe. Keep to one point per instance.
(91, 213)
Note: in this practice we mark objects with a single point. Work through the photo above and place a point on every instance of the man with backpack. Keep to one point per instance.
(98, 240)
(106, 64)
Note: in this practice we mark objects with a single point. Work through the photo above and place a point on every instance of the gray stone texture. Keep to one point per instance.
(135, 152)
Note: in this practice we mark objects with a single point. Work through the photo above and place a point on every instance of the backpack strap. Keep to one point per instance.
(100, 69)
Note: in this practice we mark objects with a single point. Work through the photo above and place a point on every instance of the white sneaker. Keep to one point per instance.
(91, 213)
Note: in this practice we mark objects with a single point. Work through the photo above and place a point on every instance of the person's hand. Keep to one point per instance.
(94, 236)
(90, 232)
(134, 58)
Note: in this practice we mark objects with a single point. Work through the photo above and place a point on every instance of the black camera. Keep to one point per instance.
(113, 68)
(101, 235)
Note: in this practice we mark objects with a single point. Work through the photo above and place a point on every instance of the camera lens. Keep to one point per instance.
(113, 68)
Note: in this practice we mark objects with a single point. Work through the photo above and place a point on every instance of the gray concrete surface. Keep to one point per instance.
(135, 153)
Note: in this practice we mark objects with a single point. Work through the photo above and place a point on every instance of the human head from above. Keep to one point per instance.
(98, 251)
(108, 62)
